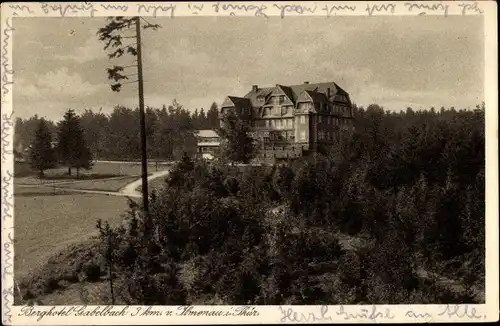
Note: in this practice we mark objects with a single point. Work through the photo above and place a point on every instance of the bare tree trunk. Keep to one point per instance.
(77, 173)
(69, 171)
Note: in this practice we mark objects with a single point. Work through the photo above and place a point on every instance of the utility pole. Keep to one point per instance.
(145, 197)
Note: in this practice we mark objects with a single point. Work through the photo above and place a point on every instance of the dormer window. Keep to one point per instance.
(277, 100)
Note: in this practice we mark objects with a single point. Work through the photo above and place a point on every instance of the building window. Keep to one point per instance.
(303, 135)
(290, 123)
(302, 119)
(267, 123)
(278, 100)
(320, 119)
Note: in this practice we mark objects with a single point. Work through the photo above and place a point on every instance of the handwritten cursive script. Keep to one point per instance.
(423, 9)
(7, 195)
(7, 125)
(332, 10)
(234, 8)
(371, 314)
(380, 8)
(155, 8)
(7, 71)
(289, 315)
(461, 311)
(298, 9)
(8, 294)
(63, 10)
(417, 315)
(8, 256)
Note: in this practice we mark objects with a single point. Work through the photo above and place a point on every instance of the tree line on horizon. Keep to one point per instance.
(115, 136)
(169, 131)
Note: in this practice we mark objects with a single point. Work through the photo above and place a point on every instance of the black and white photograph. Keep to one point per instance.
(249, 160)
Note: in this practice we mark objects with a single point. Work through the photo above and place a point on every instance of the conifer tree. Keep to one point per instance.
(72, 148)
(42, 154)
(238, 145)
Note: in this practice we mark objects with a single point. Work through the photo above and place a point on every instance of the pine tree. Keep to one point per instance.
(238, 145)
(213, 117)
(72, 148)
(42, 154)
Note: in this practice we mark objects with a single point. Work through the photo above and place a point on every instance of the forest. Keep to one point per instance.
(115, 136)
(394, 215)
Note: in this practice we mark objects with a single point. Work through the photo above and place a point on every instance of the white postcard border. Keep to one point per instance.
(67, 315)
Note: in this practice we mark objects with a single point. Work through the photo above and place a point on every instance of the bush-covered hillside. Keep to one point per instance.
(386, 218)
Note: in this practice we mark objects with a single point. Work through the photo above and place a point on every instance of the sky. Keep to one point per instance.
(396, 62)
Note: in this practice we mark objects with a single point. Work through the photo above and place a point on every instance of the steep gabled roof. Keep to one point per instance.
(288, 92)
(252, 95)
(227, 102)
(304, 96)
(240, 102)
(317, 97)
(319, 87)
(293, 92)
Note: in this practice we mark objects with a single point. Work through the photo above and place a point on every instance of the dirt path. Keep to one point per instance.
(128, 190)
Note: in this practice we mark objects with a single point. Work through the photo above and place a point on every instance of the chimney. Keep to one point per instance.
(255, 88)
(306, 82)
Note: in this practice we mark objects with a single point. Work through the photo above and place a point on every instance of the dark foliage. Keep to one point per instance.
(380, 219)
(42, 154)
(72, 148)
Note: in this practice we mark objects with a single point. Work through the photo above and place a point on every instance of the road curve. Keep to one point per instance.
(130, 190)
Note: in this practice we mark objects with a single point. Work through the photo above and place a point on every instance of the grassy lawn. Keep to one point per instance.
(99, 170)
(106, 184)
(46, 223)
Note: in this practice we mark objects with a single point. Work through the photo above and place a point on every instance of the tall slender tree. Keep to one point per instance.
(42, 155)
(213, 117)
(72, 148)
(111, 34)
